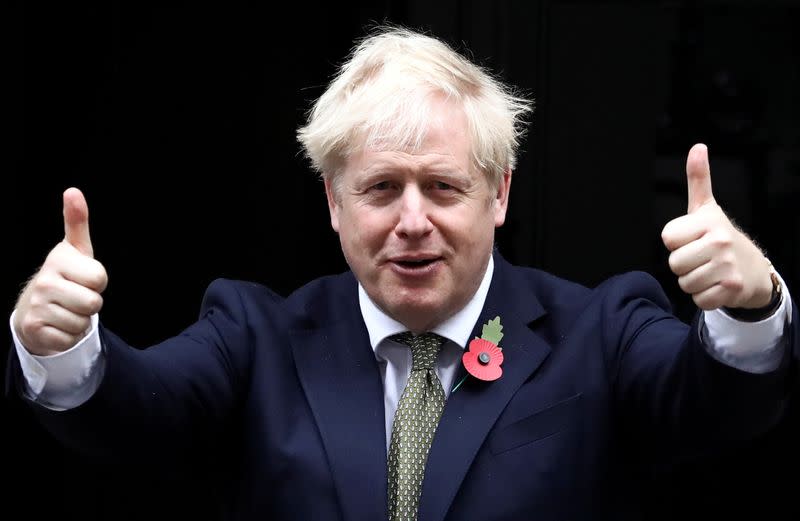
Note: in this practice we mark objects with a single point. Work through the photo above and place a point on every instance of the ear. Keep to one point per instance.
(333, 206)
(501, 199)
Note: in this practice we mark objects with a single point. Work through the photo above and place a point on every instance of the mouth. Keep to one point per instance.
(415, 265)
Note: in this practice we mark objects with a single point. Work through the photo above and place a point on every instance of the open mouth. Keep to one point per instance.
(411, 264)
(422, 267)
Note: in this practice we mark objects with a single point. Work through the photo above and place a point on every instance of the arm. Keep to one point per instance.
(140, 401)
(56, 311)
(728, 276)
(157, 403)
(674, 397)
(722, 378)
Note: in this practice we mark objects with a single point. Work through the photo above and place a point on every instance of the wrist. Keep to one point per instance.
(756, 314)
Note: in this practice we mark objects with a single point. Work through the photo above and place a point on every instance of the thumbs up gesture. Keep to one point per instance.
(716, 263)
(54, 310)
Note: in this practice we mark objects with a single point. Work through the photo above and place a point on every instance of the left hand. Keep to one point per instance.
(716, 263)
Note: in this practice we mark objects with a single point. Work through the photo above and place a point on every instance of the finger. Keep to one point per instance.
(699, 279)
(712, 298)
(683, 230)
(692, 255)
(84, 271)
(76, 298)
(67, 321)
(76, 221)
(55, 339)
(698, 177)
(52, 288)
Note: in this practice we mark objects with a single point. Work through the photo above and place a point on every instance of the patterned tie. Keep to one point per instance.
(415, 422)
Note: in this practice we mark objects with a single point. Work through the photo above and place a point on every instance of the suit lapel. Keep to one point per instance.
(472, 410)
(341, 379)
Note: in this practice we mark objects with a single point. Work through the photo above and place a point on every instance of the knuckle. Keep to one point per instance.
(734, 282)
(728, 260)
(26, 326)
(705, 303)
(36, 301)
(31, 326)
(699, 301)
(684, 284)
(668, 239)
(98, 279)
(721, 239)
(76, 326)
(94, 303)
(103, 279)
(673, 262)
(83, 324)
(44, 282)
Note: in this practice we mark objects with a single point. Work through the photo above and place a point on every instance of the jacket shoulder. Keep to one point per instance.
(550, 285)
(233, 294)
(567, 299)
(330, 297)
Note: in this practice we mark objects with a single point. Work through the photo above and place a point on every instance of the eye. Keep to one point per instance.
(383, 185)
(441, 185)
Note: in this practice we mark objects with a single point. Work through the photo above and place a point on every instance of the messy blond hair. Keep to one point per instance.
(381, 98)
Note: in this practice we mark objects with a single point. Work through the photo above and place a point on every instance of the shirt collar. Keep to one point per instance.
(457, 328)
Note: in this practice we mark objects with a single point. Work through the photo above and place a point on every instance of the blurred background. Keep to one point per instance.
(178, 122)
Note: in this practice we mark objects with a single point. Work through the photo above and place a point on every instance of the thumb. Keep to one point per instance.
(76, 221)
(698, 177)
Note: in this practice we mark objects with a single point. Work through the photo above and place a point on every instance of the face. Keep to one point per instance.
(417, 227)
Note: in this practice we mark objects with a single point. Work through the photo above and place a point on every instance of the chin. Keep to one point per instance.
(417, 313)
(416, 298)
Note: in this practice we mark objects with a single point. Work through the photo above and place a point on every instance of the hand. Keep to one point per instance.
(716, 263)
(54, 310)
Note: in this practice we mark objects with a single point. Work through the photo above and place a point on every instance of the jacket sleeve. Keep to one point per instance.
(162, 400)
(671, 392)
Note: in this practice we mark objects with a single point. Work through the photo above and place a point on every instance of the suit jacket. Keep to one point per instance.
(594, 382)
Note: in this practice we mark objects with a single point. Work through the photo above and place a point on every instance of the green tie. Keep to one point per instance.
(415, 421)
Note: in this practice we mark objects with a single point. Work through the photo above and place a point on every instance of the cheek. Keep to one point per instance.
(364, 231)
(468, 230)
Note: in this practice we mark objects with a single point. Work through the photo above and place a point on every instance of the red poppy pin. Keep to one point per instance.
(484, 357)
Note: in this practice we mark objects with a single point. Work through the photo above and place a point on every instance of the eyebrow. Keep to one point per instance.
(438, 166)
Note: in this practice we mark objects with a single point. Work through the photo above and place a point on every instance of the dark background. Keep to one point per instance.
(178, 124)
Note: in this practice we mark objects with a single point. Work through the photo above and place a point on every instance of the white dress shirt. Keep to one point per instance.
(394, 359)
(66, 380)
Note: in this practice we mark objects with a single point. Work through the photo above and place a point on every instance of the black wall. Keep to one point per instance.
(178, 124)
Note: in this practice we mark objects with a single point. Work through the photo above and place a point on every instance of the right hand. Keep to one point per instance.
(54, 310)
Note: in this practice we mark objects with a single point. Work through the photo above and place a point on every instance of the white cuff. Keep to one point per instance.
(755, 347)
(64, 380)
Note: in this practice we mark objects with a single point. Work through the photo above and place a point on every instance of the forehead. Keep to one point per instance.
(439, 132)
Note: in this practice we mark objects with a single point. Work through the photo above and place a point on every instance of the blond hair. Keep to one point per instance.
(381, 98)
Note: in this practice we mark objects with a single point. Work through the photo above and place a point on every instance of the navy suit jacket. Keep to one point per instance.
(594, 382)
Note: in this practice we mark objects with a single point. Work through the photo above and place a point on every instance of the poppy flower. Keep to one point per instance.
(483, 360)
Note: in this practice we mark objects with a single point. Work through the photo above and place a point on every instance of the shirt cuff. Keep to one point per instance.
(754, 347)
(64, 380)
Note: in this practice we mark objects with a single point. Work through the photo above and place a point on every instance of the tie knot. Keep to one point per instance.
(424, 348)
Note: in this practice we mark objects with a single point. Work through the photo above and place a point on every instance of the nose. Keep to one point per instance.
(413, 222)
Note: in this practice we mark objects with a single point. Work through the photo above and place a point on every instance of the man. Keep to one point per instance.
(366, 395)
